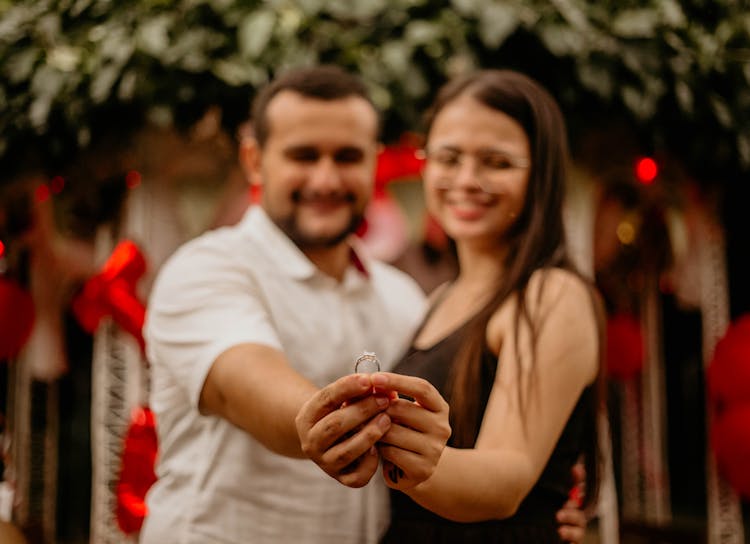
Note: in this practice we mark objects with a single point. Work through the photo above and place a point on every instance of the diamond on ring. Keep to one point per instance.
(367, 363)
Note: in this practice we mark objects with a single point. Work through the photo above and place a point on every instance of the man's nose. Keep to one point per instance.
(325, 174)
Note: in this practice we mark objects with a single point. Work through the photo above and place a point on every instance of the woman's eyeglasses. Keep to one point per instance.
(491, 167)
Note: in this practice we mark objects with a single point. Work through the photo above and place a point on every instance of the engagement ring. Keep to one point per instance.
(367, 363)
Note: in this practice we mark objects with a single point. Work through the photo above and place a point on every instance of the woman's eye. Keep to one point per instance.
(497, 163)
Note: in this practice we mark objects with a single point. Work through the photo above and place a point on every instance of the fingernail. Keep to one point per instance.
(364, 380)
(381, 401)
(384, 421)
(379, 379)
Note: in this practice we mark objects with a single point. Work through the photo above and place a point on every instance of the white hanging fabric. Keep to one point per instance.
(656, 506)
(725, 525)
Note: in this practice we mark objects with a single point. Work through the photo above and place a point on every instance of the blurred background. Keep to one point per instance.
(119, 125)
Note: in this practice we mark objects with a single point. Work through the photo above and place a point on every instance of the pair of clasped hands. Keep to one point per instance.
(347, 427)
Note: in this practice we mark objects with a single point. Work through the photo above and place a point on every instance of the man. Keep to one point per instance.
(247, 322)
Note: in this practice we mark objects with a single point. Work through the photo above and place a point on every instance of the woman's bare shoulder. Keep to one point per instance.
(552, 286)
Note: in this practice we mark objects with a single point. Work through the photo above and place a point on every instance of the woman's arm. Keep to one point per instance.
(516, 440)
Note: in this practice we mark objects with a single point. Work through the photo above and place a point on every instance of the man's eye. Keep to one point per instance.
(349, 156)
(303, 155)
(446, 159)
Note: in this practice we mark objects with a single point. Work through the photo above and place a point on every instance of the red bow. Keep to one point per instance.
(729, 394)
(398, 161)
(137, 471)
(112, 293)
(625, 350)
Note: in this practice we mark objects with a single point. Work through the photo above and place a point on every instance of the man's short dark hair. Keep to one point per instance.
(326, 82)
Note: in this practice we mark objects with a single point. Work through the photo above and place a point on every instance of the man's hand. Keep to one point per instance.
(339, 426)
(571, 522)
(571, 518)
(420, 428)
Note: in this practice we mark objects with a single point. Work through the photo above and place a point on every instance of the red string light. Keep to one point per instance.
(57, 184)
(646, 170)
(42, 193)
(133, 179)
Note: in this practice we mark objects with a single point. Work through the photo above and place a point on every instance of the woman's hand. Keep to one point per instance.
(419, 430)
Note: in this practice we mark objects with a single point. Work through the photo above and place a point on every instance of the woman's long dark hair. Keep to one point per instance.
(536, 241)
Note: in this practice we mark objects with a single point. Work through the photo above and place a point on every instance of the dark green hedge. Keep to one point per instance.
(79, 72)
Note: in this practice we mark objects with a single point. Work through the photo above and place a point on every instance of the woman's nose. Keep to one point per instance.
(467, 173)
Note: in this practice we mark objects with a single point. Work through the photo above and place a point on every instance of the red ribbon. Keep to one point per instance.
(728, 380)
(398, 161)
(625, 349)
(137, 473)
(112, 293)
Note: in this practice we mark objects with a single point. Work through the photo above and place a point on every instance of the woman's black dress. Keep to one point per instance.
(534, 522)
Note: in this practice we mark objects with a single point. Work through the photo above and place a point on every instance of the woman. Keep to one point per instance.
(512, 343)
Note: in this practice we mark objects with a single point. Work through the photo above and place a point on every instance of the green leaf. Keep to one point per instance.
(743, 148)
(290, 20)
(160, 115)
(255, 32)
(721, 110)
(684, 95)
(103, 81)
(152, 36)
(64, 57)
(416, 84)
(14, 23)
(419, 33)
(355, 9)
(562, 40)
(117, 46)
(672, 13)
(192, 48)
(128, 85)
(79, 7)
(236, 72)
(311, 7)
(460, 63)
(468, 8)
(597, 79)
(19, 67)
(498, 21)
(640, 103)
(636, 23)
(574, 14)
(48, 28)
(83, 136)
(39, 111)
(395, 57)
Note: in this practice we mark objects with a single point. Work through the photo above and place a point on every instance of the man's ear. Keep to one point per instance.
(249, 157)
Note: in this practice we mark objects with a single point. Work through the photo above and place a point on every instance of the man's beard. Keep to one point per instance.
(304, 241)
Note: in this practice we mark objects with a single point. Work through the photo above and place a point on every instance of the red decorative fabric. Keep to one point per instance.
(137, 473)
(728, 378)
(625, 351)
(398, 161)
(16, 318)
(112, 292)
(729, 370)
